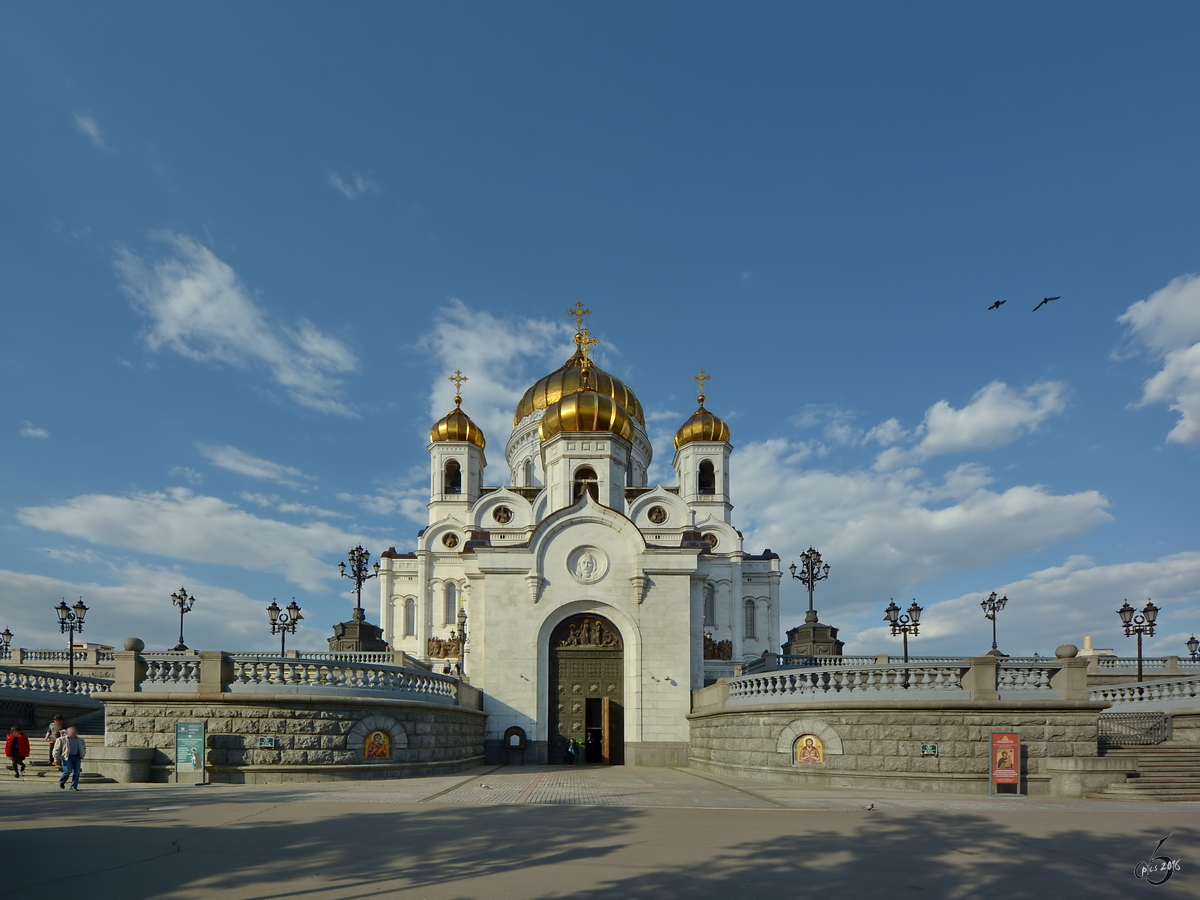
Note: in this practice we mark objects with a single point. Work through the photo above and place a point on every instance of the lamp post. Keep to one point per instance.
(462, 641)
(6, 639)
(811, 571)
(181, 599)
(991, 606)
(70, 620)
(1191, 643)
(284, 621)
(1139, 625)
(358, 574)
(904, 624)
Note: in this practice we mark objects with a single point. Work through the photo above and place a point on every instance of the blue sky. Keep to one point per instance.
(241, 248)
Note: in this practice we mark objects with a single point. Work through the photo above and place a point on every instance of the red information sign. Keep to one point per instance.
(1006, 757)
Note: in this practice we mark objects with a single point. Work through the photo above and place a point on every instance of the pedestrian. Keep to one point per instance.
(56, 729)
(69, 750)
(571, 751)
(16, 748)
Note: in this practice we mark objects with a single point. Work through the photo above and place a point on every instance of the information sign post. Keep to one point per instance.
(1005, 764)
(190, 740)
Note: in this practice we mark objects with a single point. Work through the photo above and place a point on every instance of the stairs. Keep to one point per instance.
(1164, 772)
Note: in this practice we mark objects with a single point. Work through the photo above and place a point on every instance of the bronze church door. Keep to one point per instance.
(587, 684)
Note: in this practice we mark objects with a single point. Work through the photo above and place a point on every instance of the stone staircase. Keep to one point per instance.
(1167, 771)
(90, 726)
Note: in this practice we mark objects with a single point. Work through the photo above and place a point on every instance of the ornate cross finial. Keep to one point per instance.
(458, 378)
(586, 342)
(578, 313)
(701, 379)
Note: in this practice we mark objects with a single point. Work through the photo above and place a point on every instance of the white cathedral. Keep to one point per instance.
(594, 602)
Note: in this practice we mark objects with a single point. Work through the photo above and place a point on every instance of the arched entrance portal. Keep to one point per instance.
(587, 683)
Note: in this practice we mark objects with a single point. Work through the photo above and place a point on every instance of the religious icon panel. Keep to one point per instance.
(808, 750)
(377, 745)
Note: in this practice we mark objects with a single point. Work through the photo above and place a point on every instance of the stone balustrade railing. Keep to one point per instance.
(24, 656)
(1166, 693)
(981, 678)
(24, 679)
(1149, 663)
(180, 672)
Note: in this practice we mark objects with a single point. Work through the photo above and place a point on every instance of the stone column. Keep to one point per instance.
(129, 669)
(980, 679)
(1071, 679)
(216, 671)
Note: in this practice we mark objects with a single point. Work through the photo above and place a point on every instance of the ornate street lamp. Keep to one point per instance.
(284, 621)
(462, 641)
(991, 606)
(1192, 644)
(811, 571)
(70, 620)
(903, 624)
(1139, 625)
(6, 639)
(358, 574)
(181, 599)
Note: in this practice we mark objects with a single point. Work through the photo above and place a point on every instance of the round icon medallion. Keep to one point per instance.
(450, 540)
(587, 565)
(502, 514)
(657, 515)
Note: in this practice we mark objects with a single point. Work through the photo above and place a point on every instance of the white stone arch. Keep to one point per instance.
(631, 638)
(363, 727)
(822, 729)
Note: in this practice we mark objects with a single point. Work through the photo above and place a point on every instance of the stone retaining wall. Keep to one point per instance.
(879, 745)
(315, 738)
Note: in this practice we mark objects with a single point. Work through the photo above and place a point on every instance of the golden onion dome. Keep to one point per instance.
(585, 410)
(457, 426)
(702, 426)
(568, 380)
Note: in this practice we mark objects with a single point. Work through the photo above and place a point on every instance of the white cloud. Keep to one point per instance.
(355, 186)
(200, 309)
(884, 532)
(87, 125)
(243, 463)
(501, 357)
(275, 502)
(1067, 602)
(29, 430)
(997, 415)
(1167, 324)
(179, 524)
(188, 474)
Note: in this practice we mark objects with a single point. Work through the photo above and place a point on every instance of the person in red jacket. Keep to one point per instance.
(16, 748)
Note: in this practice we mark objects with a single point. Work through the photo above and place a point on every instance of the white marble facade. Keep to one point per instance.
(579, 531)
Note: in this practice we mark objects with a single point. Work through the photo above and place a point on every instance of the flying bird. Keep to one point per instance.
(997, 304)
(1045, 300)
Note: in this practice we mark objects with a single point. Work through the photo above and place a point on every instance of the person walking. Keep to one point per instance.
(572, 750)
(69, 750)
(56, 729)
(16, 748)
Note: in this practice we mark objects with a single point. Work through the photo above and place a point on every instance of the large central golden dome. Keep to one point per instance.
(569, 380)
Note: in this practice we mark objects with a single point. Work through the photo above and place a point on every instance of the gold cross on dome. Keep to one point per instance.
(701, 379)
(586, 342)
(578, 313)
(458, 378)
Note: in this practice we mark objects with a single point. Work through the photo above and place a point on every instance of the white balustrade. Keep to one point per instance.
(256, 672)
(51, 682)
(1019, 677)
(1145, 694)
(912, 680)
(170, 672)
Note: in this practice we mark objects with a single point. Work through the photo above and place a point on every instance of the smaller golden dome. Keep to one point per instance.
(702, 426)
(585, 410)
(457, 426)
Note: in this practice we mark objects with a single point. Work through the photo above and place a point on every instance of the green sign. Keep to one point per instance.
(189, 752)
(929, 749)
(266, 742)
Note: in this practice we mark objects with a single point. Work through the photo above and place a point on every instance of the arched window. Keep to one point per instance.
(451, 607)
(749, 619)
(710, 605)
(452, 483)
(585, 480)
(528, 473)
(707, 481)
(410, 617)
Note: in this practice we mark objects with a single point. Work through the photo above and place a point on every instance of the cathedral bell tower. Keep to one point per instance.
(586, 438)
(702, 452)
(456, 460)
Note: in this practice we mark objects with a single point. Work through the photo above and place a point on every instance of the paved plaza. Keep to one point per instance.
(553, 832)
